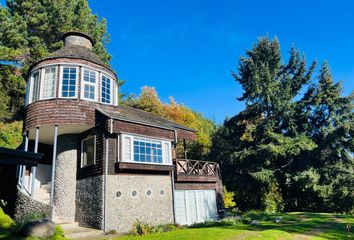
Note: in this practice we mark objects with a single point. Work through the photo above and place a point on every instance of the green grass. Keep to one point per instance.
(297, 226)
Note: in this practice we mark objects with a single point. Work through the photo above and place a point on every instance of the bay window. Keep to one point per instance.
(105, 89)
(88, 151)
(146, 150)
(89, 85)
(69, 82)
(48, 83)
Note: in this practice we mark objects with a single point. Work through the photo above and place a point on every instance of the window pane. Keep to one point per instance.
(146, 150)
(106, 89)
(35, 86)
(88, 151)
(89, 84)
(48, 82)
(69, 82)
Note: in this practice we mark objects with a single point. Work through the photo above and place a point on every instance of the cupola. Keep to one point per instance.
(78, 39)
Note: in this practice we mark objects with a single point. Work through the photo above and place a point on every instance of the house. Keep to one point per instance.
(105, 165)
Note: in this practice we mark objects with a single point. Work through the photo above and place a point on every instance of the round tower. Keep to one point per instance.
(63, 92)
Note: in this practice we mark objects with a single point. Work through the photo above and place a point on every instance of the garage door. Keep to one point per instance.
(193, 206)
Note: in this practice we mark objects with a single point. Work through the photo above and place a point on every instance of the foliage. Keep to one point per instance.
(272, 200)
(149, 101)
(9, 229)
(10, 134)
(29, 31)
(5, 221)
(229, 201)
(141, 228)
(29, 217)
(293, 144)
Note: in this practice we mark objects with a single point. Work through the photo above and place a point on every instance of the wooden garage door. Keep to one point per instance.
(193, 206)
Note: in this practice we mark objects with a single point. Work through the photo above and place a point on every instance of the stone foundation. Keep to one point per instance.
(65, 177)
(26, 205)
(152, 203)
(89, 202)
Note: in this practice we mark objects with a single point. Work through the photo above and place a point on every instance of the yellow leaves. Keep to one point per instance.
(149, 101)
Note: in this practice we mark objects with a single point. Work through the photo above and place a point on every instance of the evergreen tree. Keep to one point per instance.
(264, 139)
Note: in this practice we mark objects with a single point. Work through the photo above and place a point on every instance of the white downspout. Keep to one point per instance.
(173, 183)
(105, 188)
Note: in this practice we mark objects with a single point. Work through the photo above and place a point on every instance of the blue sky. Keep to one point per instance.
(186, 49)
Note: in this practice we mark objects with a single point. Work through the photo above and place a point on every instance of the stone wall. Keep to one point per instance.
(65, 177)
(26, 205)
(152, 203)
(89, 202)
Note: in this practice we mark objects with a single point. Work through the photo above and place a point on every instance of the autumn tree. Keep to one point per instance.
(148, 100)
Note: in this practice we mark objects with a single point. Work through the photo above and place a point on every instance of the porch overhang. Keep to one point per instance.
(19, 157)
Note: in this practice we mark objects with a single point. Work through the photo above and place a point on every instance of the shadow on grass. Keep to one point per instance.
(310, 224)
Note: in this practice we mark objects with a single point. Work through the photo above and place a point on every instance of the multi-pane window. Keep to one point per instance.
(48, 84)
(106, 89)
(35, 82)
(89, 84)
(88, 151)
(68, 86)
(145, 150)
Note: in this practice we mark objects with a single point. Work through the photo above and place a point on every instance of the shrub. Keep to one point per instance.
(229, 199)
(272, 200)
(256, 215)
(58, 234)
(141, 228)
(29, 217)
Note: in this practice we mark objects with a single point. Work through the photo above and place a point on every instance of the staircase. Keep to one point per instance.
(43, 193)
(73, 231)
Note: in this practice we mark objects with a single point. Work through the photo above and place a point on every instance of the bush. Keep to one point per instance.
(141, 228)
(229, 199)
(29, 217)
(272, 200)
(256, 215)
(58, 234)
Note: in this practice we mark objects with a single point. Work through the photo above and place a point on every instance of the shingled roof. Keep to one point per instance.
(77, 52)
(139, 116)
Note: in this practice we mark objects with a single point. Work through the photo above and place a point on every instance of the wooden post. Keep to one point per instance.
(185, 149)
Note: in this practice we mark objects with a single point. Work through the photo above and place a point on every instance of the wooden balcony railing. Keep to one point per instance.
(196, 170)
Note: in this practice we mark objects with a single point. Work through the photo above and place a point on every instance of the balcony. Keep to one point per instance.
(197, 171)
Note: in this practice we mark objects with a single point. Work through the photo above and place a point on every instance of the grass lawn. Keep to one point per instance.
(297, 226)
(300, 226)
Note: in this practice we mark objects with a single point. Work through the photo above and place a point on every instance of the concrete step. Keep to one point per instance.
(68, 226)
(46, 187)
(73, 231)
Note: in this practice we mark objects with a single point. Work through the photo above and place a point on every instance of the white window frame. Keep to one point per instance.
(111, 88)
(96, 85)
(166, 159)
(82, 151)
(42, 81)
(61, 81)
(31, 85)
